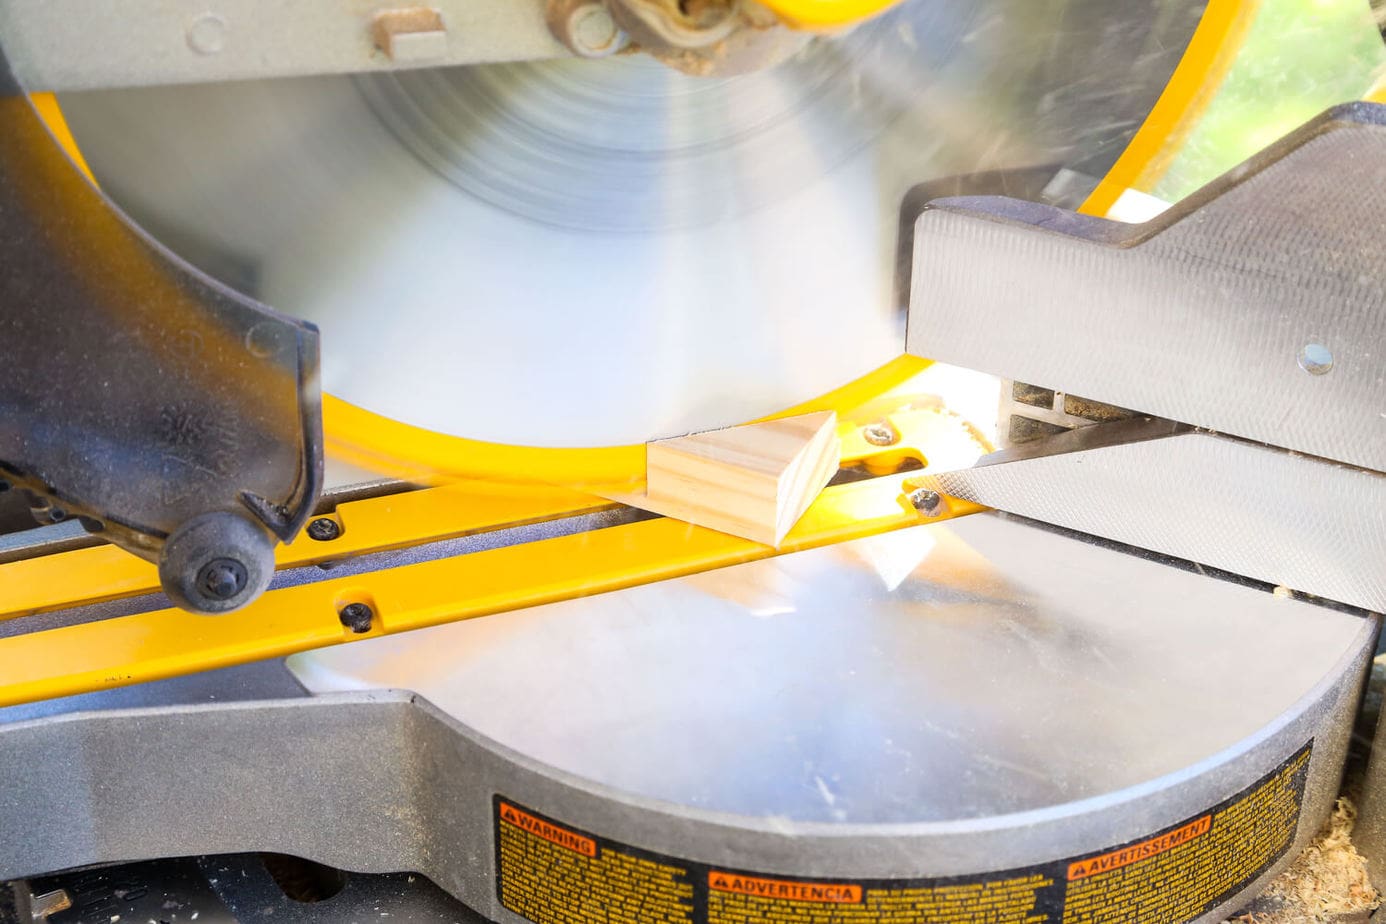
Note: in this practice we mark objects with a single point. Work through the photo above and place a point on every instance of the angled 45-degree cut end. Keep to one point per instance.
(754, 481)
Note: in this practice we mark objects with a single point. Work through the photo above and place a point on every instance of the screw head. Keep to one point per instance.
(324, 529)
(1316, 359)
(357, 617)
(880, 433)
(592, 32)
(207, 34)
(929, 503)
(47, 513)
(222, 578)
(216, 562)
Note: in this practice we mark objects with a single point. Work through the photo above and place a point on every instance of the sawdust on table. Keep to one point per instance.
(1326, 885)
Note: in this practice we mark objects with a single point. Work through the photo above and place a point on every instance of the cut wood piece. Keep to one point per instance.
(753, 481)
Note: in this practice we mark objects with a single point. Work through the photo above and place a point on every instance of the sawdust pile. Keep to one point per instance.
(1327, 885)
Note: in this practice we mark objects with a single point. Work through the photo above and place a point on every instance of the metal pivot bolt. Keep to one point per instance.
(324, 529)
(216, 562)
(357, 617)
(586, 27)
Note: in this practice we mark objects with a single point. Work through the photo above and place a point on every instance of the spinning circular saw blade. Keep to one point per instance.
(589, 252)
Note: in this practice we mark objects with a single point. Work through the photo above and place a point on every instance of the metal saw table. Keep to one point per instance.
(983, 712)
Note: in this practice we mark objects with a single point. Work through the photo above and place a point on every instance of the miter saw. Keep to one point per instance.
(509, 242)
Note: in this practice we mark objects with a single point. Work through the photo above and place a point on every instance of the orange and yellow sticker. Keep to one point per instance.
(549, 872)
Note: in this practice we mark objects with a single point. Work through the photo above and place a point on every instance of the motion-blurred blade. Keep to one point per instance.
(581, 252)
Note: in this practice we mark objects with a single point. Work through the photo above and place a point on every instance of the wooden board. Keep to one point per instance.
(753, 481)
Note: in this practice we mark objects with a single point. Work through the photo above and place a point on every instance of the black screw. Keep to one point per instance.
(222, 578)
(46, 513)
(357, 617)
(4, 486)
(926, 502)
(324, 529)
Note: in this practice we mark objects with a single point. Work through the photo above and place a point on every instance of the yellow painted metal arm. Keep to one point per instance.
(86, 576)
(94, 575)
(170, 642)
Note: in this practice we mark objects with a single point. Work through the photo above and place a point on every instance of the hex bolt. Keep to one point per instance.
(357, 617)
(586, 27)
(324, 529)
(222, 578)
(929, 503)
(880, 433)
(593, 31)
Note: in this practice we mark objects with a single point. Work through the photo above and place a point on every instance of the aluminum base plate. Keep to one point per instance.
(980, 705)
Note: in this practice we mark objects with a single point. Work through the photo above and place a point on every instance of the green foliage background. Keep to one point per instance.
(1299, 58)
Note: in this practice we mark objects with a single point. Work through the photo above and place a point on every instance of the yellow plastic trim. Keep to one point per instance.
(1195, 81)
(826, 14)
(399, 450)
(167, 643)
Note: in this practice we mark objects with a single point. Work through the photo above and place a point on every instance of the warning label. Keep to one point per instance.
(1145, 849)
(1000, 901)
(782, 889)
(551, 833)
(1180, 874)
(552, 873)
